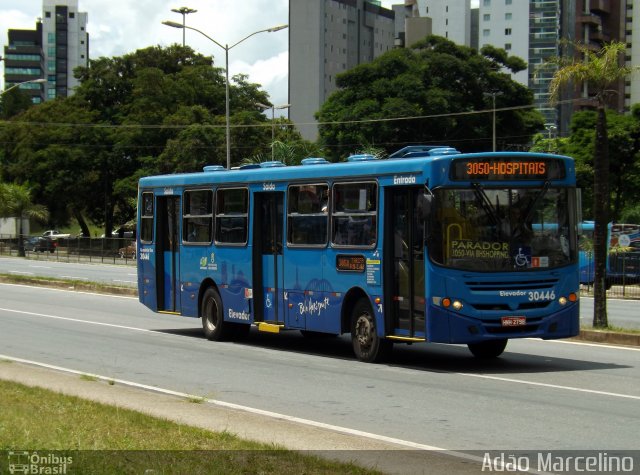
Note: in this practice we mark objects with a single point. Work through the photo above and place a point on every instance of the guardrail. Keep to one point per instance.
(74, 249)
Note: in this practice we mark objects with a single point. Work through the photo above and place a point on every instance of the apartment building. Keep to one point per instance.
(326, 38)
(58, 44)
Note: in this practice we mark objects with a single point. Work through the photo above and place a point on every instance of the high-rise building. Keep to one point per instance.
(632, 24)
(545, 34)
(65, 45)
(326, 38)
(23, 61)
(450, 18)
(58, 45)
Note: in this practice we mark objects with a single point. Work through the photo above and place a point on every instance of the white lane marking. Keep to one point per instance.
(584, 343)
(41, 267)
(547, 385)
(53, 289)
(127, 281)
(252, 410)
(77, 320)
(20, 272)
(73, 277)
(472, 375)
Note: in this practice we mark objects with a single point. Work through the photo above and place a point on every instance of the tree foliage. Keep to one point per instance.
(16, 202)
(156, 110)
(384, 103)
(598, 70)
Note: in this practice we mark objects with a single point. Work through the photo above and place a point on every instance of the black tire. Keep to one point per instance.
(367, 345)
(213, 324)
(488, 349)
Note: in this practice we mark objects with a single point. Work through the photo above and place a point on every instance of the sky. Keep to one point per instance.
(117, 27)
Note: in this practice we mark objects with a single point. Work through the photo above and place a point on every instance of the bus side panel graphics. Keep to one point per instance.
(312, 302)
(235, 274)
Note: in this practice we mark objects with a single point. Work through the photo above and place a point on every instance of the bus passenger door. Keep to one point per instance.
(404, 266)
(268, 259)
(168, 254)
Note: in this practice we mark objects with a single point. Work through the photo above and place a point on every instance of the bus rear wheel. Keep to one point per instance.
(488, 349)
(367, 345)
(213, 324)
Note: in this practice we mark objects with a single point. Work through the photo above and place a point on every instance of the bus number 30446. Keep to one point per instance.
(542, 295)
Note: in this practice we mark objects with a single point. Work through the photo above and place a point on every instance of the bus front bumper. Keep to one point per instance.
(445, 326)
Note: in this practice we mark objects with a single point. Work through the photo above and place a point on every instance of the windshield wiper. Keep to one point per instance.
(487, 206)
(529, 211)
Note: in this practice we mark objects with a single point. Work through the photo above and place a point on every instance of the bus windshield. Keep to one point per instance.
(503, 229)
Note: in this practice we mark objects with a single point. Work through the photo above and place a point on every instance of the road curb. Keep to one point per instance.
(614, 338)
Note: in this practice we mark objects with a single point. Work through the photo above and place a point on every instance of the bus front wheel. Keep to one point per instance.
(488, 349)
(213, 324)
(367, 345)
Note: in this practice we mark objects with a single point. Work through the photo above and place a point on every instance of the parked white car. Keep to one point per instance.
(53, 234)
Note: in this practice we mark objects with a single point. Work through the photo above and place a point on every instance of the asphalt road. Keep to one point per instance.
(538, 395)
(45, 266)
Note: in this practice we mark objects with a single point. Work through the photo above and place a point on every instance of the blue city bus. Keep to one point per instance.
(623, 251)
(429, 245)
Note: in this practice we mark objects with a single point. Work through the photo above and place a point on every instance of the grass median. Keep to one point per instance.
(99, 438)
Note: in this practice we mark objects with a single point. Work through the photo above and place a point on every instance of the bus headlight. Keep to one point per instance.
(446, 302)
(572, 297)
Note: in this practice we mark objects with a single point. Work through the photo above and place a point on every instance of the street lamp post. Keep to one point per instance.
(550, 128)
(273, 121)
(37, 81)
(226, 49)
(184, 11)
(493, 95)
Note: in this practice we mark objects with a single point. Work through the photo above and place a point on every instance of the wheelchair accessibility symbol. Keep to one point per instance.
(522, 259)
(267, 301)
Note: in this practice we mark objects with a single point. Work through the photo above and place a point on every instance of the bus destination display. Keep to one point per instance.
(350, 263)
(499, 168)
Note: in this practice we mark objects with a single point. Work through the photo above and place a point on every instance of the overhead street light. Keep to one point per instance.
(273, 123)
(493, 95)
(184, 11)
(37, 81)
(226, 49)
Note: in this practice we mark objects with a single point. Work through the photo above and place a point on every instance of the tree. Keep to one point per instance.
(16, 202)
(428, 93)
(156, 110)
(13, 103)
(598, 70)
(61, 162)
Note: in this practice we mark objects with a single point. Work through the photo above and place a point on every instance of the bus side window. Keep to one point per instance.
(354, 214)
(146, 218)
(197, 216)
(232, 211)
(307, 223)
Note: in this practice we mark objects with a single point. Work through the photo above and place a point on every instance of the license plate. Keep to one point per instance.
(513, 321)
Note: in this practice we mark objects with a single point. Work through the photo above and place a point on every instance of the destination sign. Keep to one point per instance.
(350, 263)
(507, 168)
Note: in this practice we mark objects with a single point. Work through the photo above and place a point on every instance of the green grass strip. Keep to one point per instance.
(104, 439)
